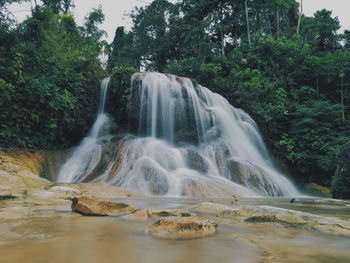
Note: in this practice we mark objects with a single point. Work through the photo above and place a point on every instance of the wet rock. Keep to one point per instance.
(104, 191)
(14, 161)
(293, 201)
(182, 228)
(20, 181)
(53, 163)
(251, 176)
(336, 202)
(161, 213)
(211, 208)
(156, 180)
(262, 219)
(279, 216)
(92, 207)
(196, 161)
(65, 189)
(7, 197)
(318, 190)
(205, 189)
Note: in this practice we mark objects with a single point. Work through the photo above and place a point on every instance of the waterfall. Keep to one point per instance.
(192, 141)
(86, 156)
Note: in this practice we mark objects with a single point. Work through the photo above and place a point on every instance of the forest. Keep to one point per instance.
(290, 72)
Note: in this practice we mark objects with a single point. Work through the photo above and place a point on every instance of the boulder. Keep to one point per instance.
(92, 207)
(251, 176)
(196, 161)
(182, 228)
(156, 180)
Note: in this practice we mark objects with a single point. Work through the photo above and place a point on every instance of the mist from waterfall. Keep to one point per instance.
(86, 156)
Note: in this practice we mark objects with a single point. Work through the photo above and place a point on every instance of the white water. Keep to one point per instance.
(87, 155)
(191, 142)
(157, 165)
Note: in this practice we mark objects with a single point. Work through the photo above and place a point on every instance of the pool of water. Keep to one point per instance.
(112, 239)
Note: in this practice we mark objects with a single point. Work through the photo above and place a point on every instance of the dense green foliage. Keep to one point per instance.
(341, 179)
(49, 75)
(291, 73)
(292, 78)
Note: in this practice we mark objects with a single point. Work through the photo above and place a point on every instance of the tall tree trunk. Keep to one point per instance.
(222, 35)
(247, 18)
(300, 14)
(222, 44)
(342, 96)
(278, 22)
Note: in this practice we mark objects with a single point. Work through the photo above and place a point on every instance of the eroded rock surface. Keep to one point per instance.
(92, 207)
(182, 228)
(280, 216)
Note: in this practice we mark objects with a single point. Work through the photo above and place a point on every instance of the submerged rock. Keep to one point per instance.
(146, 214)
(293, 201)
(91, 207)
(7, 197)
(138, 216)
(182, 228)
(161, 213)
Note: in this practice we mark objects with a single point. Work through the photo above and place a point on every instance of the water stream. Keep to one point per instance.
(87, 155)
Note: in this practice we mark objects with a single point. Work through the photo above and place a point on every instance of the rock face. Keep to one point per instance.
(91, 207)
(182, 228)
(194, 188)
(255, 178)
(318, 190)
(196, 161)
(341, 178)
(53, 163)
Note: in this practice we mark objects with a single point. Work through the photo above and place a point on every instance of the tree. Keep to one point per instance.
(122, 51)
(322, 30)
(59, 6)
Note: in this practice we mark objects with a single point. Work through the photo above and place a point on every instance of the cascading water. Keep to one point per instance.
(191, 142)
(87, 155)
(227, 152)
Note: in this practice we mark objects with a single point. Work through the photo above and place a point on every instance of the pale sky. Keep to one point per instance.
(115, 11)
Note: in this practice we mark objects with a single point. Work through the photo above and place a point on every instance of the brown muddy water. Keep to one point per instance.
(111, 239)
